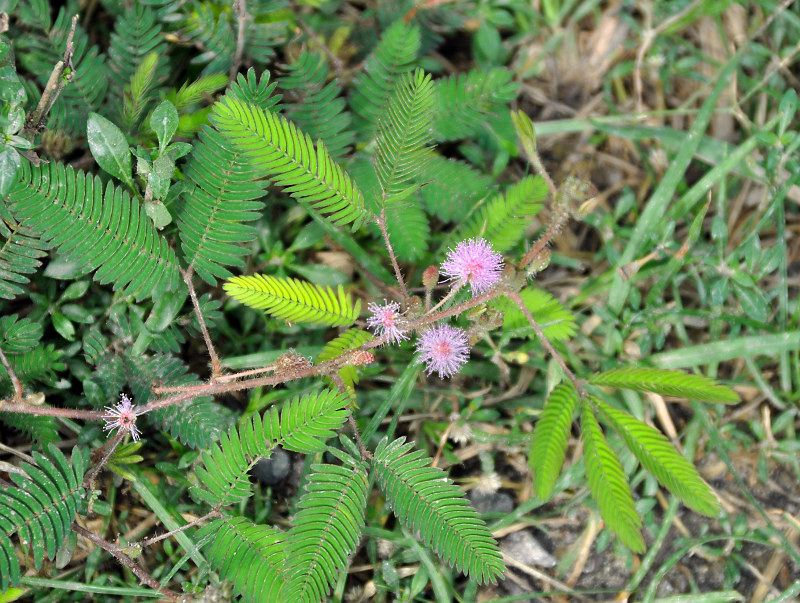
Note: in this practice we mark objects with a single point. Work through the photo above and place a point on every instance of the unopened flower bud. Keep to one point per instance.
(540, 261)
(577, 196)
(430, 277)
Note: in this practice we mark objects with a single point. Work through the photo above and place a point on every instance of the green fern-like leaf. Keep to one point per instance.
(660, 458)
(302, 426)
(21, 250)
(453, 188)
(192, 93)
(212, 31)
(394, 55)
(409, 232)
(294, 300)
(556, 321)
(269, 25)
(251, 556)
(403, 133)
(35, 14)
(38, 364)
(464, 101)
(137, 34)
(17, 336)
(287, 155)
(609, 484)
(40, 509)
(667, 383)
(104, 232)
(326, 529)
(138, 94)
(256, 91)
(505, 218)
(225, 194)
(550, 437)
(318, 108)
(41, 429)
(427, 502)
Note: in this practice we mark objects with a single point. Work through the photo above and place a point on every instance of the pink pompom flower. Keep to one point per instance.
(474, 261)
(387, 320)
(443, 349)
(122, 416)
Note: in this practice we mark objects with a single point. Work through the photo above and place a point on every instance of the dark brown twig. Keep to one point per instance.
(35, 122)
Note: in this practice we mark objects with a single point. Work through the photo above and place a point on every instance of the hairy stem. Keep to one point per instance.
(115, 551)
(517, 299)
(13, 376)
(558, 222)
(110, 446)
(206, 517)
(216, 367)
(447, 297)
(381, 220)
(195, 391)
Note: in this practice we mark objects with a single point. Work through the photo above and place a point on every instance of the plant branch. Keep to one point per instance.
(13, 376)
(240, 8)
(151, 541)
(195, 391)
(115, 551)
(555, 226)
(216, 367)
(381, 220)
(110, 446)
(517, 299)
(35, 122)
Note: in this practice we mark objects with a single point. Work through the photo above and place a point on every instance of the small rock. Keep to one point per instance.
(523, 547)
(491, 502)
(271, 470)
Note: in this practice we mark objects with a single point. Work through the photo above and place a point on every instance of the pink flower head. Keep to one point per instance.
(122, 416)
(474, 261)
(388, 320)
(443, 349)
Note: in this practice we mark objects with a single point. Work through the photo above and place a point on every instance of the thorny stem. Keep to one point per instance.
(556, 225)
(216, 367)
(207, 516)
(240, 8)
(381, 220)
(55, 84)
(13, 376)
(517, 299)
(365, 453)
(114, 550)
